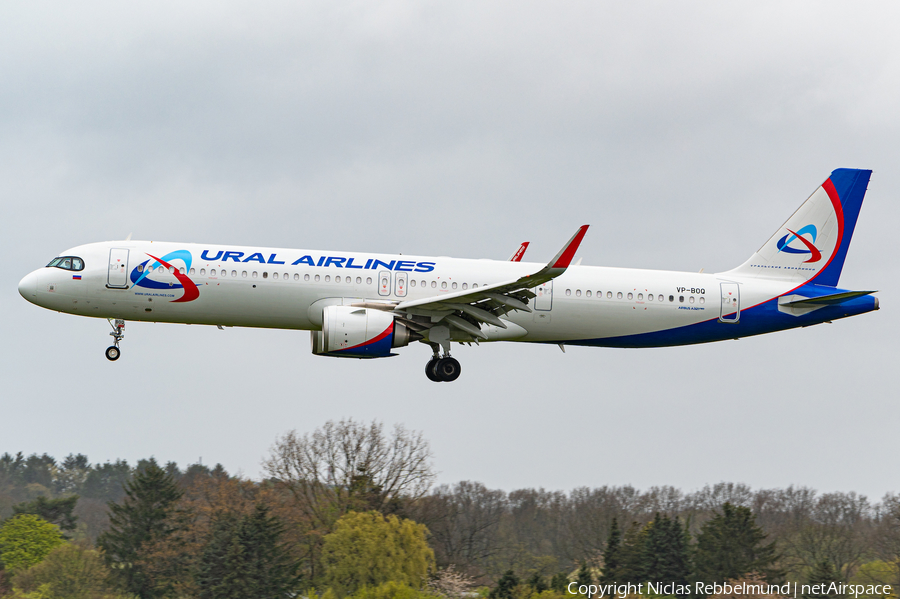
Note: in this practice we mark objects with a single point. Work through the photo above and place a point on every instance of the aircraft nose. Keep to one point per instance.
(28, 286)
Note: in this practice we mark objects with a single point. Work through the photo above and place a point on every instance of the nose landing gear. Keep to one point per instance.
(118, 333)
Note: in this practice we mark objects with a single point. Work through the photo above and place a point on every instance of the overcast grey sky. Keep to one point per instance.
(684, 133)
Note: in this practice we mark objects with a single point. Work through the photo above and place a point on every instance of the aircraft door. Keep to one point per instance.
(731, 303)
(400, 283)
(384, 283)
(118, 269)
(544, 299)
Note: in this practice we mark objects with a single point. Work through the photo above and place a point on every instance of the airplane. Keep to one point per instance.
(365, 305)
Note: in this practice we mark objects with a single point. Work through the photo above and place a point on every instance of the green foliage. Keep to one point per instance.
(666, 552)
(55, 511)
(505, 586)
(612, 559)
(367, 549)
(731, 545)
(822, 573)
(559, 582)
(25, 540)
(632, 555)
(141, 519)
(70, 571)
(537, 583)
(243, 558)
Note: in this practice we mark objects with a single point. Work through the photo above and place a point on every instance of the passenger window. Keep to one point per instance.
(619, 295)
(609, 295)
(660, 297)
(359, 280)
(212, 272)
(640, 296)
(161, 268)
(192, 270)
(465, 286)
(327, 278)
(433, 284)
(233, 273)
(587, 294)
(691, 299)
(578, 293)
(317, 278)
(306, 277)
(474, 285)
(274, 275)
(649, 297)
(568, 292)
(336, 279)
(140, 266)
(671, 298)
(265, 275)
(443, 284)
(630, 295)
(368, 280)
(424, 284)
(681, 299)
(702, 300)
(202, 272)
(454, 285)
(244, 274)
(171, 270)
(254, 274)
(412, 283)
(296, 277)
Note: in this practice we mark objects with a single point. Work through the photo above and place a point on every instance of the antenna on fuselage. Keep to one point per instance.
(128, 238)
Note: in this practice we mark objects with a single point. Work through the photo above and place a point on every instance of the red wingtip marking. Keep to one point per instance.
(517, 257)
(566, 257)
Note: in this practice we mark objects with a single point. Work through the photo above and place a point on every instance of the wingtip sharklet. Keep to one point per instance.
(565, 255)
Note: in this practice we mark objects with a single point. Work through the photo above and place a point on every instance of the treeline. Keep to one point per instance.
(351, 510)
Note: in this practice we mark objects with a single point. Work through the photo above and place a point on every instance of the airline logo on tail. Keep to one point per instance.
(784, 244)
(140, 276)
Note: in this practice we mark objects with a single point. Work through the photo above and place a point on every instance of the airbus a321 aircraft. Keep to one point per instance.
(363, 305)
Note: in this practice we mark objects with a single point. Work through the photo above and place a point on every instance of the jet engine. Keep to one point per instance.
(349, 332)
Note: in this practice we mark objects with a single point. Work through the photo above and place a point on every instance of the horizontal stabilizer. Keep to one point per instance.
(825, 300)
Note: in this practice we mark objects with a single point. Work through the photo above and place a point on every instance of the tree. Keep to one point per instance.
(666, 552)
(731, 545)
(25, 540)
(612, 560)
(584, 575)
(244, 558)
(559, 582)
(141, 519)
(54, 511)
(368, 549)
(822, 573)
(537, 583)
(633, 555)
(348, 466)
(505, 586)
(70, 571)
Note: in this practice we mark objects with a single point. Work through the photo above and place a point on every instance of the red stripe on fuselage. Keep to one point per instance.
(190, 289)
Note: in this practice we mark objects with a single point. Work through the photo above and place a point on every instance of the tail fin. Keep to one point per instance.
(813, 243)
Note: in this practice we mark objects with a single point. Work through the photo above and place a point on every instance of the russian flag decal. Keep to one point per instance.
(76, 277)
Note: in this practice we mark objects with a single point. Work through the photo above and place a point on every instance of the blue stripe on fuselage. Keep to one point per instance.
(764, 318)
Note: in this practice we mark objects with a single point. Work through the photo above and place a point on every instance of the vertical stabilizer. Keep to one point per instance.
(813, 243)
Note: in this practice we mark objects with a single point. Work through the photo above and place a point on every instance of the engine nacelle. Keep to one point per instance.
(349, 332)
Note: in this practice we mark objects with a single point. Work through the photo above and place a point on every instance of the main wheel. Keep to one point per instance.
(429, 370)
(447, 370)
(112, 353)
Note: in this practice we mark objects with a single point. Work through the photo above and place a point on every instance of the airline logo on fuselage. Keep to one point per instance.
(323, 261)
(784, 244)
(141, 275)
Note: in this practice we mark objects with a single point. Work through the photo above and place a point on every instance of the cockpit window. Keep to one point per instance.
(67, 263)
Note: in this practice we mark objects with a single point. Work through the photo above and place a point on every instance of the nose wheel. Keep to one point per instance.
(118, 333)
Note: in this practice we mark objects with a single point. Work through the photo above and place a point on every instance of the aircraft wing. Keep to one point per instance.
(467, 310)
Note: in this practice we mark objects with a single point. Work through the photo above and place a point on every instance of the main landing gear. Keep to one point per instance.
(442, 370)
(118, 333)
